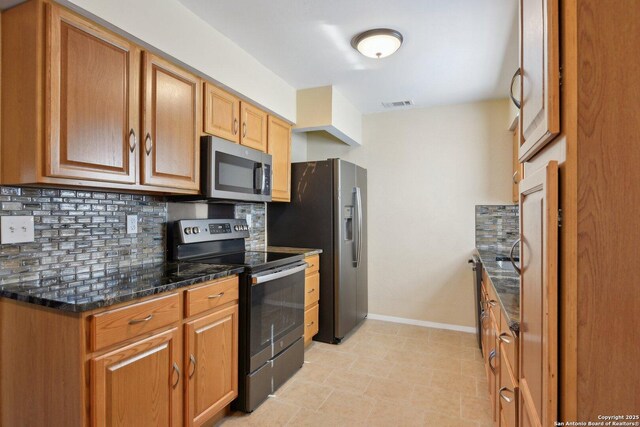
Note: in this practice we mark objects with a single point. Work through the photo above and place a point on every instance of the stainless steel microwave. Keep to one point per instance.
(234, 172)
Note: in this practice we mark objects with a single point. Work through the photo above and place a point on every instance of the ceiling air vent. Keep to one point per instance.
(397, 104)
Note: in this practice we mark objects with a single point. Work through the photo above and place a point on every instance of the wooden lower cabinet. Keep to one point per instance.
(211, 364)
(311, 298)
(139, 384)
(182, 372)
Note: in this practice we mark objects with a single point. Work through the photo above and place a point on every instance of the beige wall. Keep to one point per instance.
(427, 170)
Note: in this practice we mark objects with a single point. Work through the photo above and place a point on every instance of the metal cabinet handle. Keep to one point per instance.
(515, 180)
(311, 291)
(216, 296)
(192, 362)
(505, 338)
(513, 261)
(492, 355)
(148, 143)
(132, 140)
(492, 302)
(513, 79)
(310, 265)
(176, 369)
(310, 324)
(505, 398)
(136, 321)
(235, 126)
(244, 129)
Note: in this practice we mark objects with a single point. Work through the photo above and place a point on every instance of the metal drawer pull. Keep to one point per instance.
(513, 79)
(148, 143)
(311, 265)
(513, 261)
(136, 321)
(505, 338)
(192, 361)
(310, 324)
(505, 398)
(311, 291)
(492, 303)
(216, 295)
(176, 369)
(132, 140)
(492, 355)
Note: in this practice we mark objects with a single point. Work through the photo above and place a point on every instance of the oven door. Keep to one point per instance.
(235, 172)
(276, 312)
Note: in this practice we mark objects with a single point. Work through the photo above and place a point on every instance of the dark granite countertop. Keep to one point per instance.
(506, 282)
(285, 249)
(106, 289)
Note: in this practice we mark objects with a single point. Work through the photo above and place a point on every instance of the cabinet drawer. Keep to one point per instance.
(314, 264)
(211, 295)
(113, 326)
(311, 289)
(507, 396)
(310, 323)
(508, 345)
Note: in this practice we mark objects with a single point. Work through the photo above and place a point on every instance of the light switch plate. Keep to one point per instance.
(16, 229)
(132, 224)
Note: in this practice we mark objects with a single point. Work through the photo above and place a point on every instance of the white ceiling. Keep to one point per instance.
(454, 50)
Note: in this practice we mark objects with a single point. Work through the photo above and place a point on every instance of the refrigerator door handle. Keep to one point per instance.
(355, 228)
(358, 241)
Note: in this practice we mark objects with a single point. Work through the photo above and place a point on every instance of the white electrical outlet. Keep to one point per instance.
(16, 229)
(132, 224)
(248, 218)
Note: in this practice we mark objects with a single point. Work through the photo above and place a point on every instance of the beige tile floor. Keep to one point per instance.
(384, 374)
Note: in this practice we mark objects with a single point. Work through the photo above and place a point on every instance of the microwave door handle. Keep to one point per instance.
(264, 179)
(258, 177)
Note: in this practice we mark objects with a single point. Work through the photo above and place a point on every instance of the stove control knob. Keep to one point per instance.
(235, 228)
(196, 230)
(187, 230)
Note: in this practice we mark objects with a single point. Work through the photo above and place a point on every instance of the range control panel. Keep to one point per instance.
(207, 230)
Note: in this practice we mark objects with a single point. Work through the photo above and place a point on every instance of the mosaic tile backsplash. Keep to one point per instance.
(497, 226)
(257, 230)
(81, 234)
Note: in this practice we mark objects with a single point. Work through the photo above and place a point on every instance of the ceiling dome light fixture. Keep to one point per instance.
(377, 43)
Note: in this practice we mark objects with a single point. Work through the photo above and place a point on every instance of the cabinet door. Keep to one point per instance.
(279, 142)
(540, 73)
(221, 113)
(171, 129)
(538, 337)
(212, 364)
(91, 113)
(139, 385)
(254, 127)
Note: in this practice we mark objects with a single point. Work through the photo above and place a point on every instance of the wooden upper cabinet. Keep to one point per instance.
(140, 384)
(254, 127)
(221, 113)
(171, 125)
(211, 364)
(279, 146)
(538, 339)
(91, 114)
(540, 75)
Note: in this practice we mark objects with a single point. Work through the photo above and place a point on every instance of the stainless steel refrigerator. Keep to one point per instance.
(328, 210)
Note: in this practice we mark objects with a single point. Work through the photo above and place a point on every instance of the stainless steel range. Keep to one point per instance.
(271, 326)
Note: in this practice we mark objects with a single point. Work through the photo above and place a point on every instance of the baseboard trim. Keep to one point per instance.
(424, 323)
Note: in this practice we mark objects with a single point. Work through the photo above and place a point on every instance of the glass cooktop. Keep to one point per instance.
(253, 260)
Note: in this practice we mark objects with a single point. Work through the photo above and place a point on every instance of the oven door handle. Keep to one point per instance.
(268, 277)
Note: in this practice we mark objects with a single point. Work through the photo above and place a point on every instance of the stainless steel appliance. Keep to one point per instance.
(328, 210)
(271, 326)
(234, 172)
